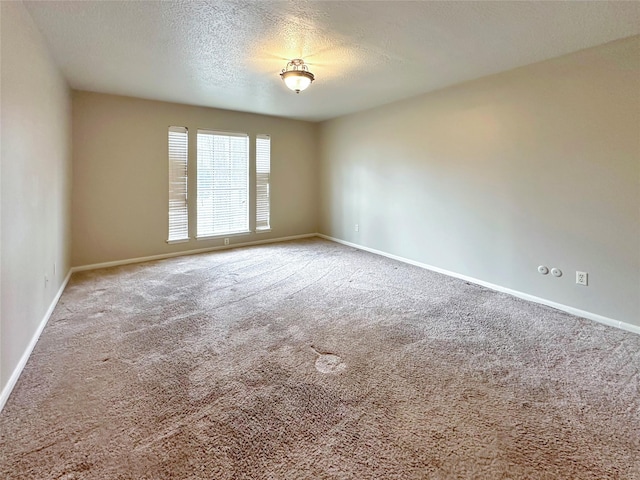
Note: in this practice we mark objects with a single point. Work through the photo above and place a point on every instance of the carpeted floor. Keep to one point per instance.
(311, 360)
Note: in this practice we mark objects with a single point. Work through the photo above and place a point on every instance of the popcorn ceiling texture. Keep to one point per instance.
(312, 360)
(228, 54)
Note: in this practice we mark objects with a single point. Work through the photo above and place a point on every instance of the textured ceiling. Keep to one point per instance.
(228, 54)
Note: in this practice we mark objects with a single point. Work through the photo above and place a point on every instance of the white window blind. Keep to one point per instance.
(223, 183)
(263, 173)
(178, 209)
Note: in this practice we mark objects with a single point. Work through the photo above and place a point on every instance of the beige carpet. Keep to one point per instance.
(311, 360)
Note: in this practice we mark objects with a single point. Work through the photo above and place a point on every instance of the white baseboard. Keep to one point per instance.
(8, 388)
(187, 252)
(525, 296)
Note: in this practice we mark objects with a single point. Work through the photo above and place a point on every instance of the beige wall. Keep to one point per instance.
(120, 174)
(35, 183)
(491, 178)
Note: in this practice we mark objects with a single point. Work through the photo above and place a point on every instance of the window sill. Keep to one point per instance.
(182, 240)
(263, 230)
(224, 235)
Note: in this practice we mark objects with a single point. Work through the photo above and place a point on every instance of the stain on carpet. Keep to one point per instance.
(328, 362)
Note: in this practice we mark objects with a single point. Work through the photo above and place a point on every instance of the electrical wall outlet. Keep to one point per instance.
(226, 241)
(357, 228)
(582, 278)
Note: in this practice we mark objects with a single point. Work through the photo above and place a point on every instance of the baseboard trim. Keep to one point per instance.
(162, 256)
(525, 296)
(13, 379)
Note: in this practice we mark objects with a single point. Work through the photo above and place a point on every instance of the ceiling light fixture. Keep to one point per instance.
(296, 75)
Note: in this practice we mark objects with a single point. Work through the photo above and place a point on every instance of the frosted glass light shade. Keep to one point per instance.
(297, 81)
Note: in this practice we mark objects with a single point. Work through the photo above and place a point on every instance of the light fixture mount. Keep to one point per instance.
(296, 75)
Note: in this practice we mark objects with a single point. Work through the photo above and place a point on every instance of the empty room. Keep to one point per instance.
(319, 240)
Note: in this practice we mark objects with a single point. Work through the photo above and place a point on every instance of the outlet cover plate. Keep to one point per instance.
(582, 278)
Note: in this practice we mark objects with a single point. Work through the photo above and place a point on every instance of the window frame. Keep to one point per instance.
(201, 233)
(178, 184)
(258, 193)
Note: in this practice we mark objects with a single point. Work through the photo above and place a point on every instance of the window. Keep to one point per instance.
(222, 183)
(263, 172)
(178, 210)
